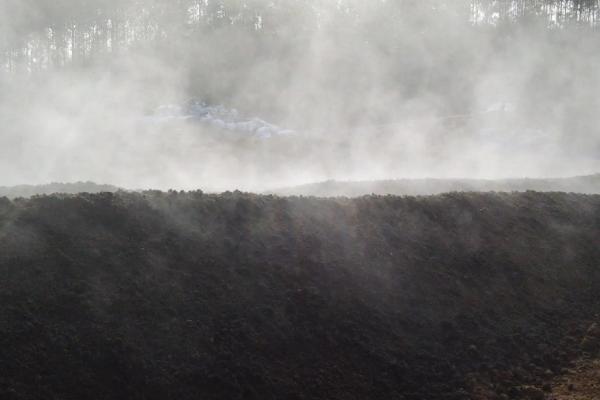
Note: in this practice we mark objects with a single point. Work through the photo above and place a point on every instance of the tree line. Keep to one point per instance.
(37, 34)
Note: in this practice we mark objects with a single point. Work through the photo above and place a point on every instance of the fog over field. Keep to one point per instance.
(259, 94)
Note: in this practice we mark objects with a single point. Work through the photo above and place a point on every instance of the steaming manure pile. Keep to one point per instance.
(237, 296)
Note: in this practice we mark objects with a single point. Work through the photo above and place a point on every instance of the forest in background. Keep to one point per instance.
(65, 32)
(322, 62)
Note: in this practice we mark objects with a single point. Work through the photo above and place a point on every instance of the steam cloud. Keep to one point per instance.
(321, 90)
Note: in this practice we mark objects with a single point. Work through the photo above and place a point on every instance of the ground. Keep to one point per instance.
(157, 296)
(582, 382)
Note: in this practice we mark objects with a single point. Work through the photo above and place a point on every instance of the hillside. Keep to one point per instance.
(581, 184)
(237, 296)
(52, 188)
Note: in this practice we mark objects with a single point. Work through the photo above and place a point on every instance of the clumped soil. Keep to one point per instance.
(240, 296)
(581, 382)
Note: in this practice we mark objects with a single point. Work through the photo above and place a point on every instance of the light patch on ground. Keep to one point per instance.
(581, 382)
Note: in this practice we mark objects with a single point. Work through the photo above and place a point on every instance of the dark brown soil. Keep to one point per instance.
(236, 296)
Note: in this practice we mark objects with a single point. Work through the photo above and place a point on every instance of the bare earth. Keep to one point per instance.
(581, 382)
